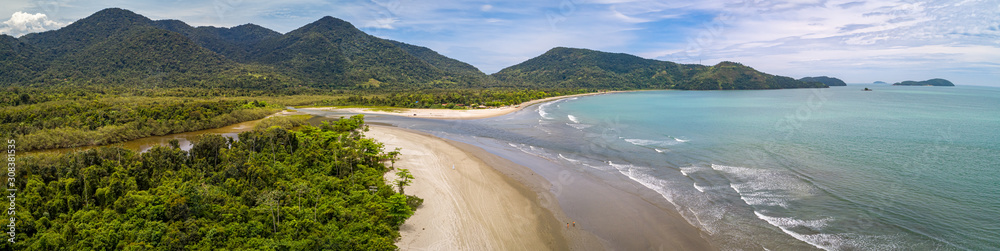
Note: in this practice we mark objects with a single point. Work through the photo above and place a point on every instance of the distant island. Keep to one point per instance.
(825, 80)
(930, 82)
(880, 83)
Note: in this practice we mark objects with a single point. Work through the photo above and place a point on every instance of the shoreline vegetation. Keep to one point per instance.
(57, 119)
(452, 113)
(310, 189)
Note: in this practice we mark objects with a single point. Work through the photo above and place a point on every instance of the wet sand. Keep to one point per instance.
(484, 203)
(491, 203)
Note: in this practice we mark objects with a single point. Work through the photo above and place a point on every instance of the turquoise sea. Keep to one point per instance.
(897, 168)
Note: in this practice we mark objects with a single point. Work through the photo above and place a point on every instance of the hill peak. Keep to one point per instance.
(325, 25)
(730, 63)
(117, 16)
(332, 22)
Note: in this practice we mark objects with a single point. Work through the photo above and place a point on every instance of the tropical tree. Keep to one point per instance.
(405, 178)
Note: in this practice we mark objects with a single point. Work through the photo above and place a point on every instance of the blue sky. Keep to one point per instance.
(857, 41)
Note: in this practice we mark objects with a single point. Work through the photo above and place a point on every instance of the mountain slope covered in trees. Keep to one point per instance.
(929, 82)
(583, 68)
(234, 43)
(830, 81)
(116, 47)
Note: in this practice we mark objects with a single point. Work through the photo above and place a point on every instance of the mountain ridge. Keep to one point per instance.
(929, 82)
(113, 46)
(586, 68)
(830, 81)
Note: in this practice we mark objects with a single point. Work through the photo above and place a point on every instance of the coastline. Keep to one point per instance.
(454, 114)
(485, 203)
(490, 202)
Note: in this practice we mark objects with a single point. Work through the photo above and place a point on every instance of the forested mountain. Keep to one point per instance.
(17, 60)
(446, 64)
(583, 68)
(85, 32)
(333, 53)
(830, 81)
(116, 47)
(736, 76)
(234, 43)
(137, 51)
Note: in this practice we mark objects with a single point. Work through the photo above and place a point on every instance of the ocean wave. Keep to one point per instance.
(527, 149)
(661, 150)
(699, 188)
(569, 159)
(687, 170)
(829, 241)
(656, 142)
(761, 187)
(542, 112)
(573, 118)
(651, 143)
(579, 126)
(642, 176)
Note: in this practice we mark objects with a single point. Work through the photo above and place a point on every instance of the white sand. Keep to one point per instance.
(474, 206)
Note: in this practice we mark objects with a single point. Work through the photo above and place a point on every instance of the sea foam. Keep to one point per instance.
(573, 118)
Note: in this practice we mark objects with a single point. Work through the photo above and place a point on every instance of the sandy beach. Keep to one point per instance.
(449, 113)
(474, 200)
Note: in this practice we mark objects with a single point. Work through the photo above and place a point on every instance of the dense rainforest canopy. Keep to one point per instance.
(273, 189)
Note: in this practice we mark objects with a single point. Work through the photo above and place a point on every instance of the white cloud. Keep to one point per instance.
(625, 18)
(859, 41)
(381, 23)
(21, 23)
(486, 8)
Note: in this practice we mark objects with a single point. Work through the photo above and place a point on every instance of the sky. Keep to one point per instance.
(859, 41)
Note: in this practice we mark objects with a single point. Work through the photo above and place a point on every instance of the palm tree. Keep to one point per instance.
(404, 179)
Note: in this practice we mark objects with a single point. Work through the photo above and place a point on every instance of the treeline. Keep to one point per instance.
(450, 98)
(581, 68)
(99, 121)
(273, 189)
(58, 117)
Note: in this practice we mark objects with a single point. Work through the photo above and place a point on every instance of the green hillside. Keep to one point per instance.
(117, 48)
(830, 81)
(333, 53)
(929, 82)
(85, 32)
(234, 43)
(439, 61)
(18, 60)
(583, 68)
